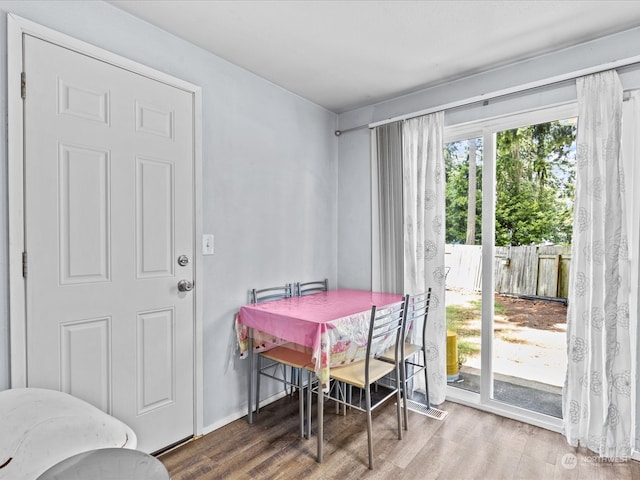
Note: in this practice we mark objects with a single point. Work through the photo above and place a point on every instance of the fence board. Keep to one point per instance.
(563, 278)
(465, 266)
(541, 270)
(548, 271)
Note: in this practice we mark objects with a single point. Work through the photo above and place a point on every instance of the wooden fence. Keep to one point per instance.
(539, 270)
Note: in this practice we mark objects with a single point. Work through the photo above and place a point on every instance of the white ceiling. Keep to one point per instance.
(346, 54)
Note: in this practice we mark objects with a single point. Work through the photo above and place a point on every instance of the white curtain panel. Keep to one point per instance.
(424, 234)
(631, 162)
(597, 400)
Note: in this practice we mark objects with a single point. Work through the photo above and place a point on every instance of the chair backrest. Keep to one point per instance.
(385, 328)
(417, 307)
(270, 293)
(307, 288)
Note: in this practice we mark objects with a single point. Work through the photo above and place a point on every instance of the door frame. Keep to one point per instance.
(487, 129)
(17, 27)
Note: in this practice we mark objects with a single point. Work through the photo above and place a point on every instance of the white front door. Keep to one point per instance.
(109, 209)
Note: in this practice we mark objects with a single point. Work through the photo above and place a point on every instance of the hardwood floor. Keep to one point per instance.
(467, 444)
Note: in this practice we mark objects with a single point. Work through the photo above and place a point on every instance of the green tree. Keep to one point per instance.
(456, 156)
(472, 193)
(534, 186)
(534, 178)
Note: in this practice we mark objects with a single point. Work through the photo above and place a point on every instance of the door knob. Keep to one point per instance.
(185, 286)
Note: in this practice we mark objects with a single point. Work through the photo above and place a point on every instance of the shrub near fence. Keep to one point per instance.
(537, 270)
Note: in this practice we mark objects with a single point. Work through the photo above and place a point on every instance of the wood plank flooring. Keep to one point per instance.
(467, 444)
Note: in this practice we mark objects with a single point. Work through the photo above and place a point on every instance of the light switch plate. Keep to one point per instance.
(207, 244)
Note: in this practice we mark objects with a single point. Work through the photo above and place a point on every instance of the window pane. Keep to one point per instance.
(463, 163)
(535, 171)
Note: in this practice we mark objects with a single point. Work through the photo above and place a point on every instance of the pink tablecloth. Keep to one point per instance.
(334, 324)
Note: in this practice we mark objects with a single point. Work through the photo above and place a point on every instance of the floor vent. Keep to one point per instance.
(428, 411)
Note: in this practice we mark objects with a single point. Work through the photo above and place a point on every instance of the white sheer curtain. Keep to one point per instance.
(631, 162)
(424, 235)
(597, 399)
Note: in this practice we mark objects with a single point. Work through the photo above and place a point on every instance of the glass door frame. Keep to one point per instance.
(487, 130)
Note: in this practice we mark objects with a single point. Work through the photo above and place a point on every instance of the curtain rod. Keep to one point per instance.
(505, 91)
(359, 127)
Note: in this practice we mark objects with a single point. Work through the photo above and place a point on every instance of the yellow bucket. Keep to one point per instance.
(452, 356)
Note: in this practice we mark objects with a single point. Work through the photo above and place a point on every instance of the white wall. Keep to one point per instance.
(269, 175)
(354, 219)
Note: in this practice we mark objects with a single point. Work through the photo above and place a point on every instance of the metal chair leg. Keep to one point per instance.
(398, 400)
(405, 392)
(309, 401)
(369, 426)
(426, 379)
(250, 381)
(259, 366)
(300, 403)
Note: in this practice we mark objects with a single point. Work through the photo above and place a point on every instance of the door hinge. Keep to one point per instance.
(24, 264)
(23, 85)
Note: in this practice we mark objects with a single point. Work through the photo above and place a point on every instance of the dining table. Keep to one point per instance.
(334, 324)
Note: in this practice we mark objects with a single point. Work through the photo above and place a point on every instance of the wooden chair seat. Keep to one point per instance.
(290, 357)
(410, 349)
(353, 374)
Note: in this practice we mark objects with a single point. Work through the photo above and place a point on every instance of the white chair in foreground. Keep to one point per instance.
(39, 428)
(108, 464)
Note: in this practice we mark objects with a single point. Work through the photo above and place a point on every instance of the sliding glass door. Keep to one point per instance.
(509, 223)
(463, 259)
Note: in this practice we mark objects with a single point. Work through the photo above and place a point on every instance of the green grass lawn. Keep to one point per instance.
(466, 321)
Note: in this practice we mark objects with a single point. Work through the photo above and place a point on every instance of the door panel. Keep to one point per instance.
(154, 217)
(156, 367)
(85, 241)
(108, 210)
(85, 348)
